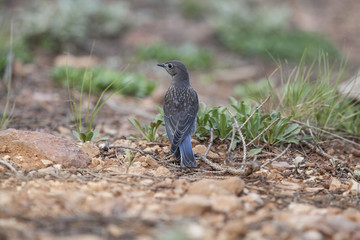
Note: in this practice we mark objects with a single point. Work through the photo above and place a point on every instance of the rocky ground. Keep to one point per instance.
(52, 187)
(46, 194)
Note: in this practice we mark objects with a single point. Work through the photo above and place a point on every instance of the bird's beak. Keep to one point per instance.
(161, 65)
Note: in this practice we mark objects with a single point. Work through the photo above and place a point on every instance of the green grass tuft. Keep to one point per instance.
(309, 93)
(132, 84)
(86, 117)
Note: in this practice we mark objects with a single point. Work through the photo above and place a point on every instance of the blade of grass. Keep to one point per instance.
(5, 118)
(88, 103)
(98, 106)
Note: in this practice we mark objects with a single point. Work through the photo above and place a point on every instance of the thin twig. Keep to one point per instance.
(154, 155)
(242, 125)
(198, 177)
(327, 132)
(260, 134)
(318, 150)
(240, 172)
(313, 137)
(9, 166)
(212, 172)
(263, 155)
(241, 135)
(239, 130)
(218, 167)
(117, 157)
(111, 179)
(132, 175)
(231, 143)
(211, 142)
(165, 159)
(135, 149)
(277, 157)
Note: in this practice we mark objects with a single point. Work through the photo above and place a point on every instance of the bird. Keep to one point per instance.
(181, 105)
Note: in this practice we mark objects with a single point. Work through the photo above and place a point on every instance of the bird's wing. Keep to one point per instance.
(180, 119)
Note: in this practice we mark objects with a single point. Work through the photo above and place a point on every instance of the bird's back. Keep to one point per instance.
(180, 110)
(180, 99)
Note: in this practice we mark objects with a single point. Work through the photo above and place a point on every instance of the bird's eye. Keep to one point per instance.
(170, 65)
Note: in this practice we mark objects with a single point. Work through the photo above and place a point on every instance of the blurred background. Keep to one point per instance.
(231, 48)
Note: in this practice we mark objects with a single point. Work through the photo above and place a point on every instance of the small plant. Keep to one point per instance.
(131, 158)
(190, 55)
(216, 118)
(203, 117)
(149, 133)
(76, 107)
(220, 120)
(255, 124)
(309, 93)
(280, 132)
(254, 151)
(87, 136)
(222, 123)
(283, 131)
(97, 79)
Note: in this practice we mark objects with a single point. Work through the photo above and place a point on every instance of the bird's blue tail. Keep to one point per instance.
(187, 155)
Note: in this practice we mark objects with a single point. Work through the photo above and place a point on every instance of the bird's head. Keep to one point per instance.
(175, 68)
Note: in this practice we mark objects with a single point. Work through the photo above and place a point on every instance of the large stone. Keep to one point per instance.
(209, 187)
(28, 149)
